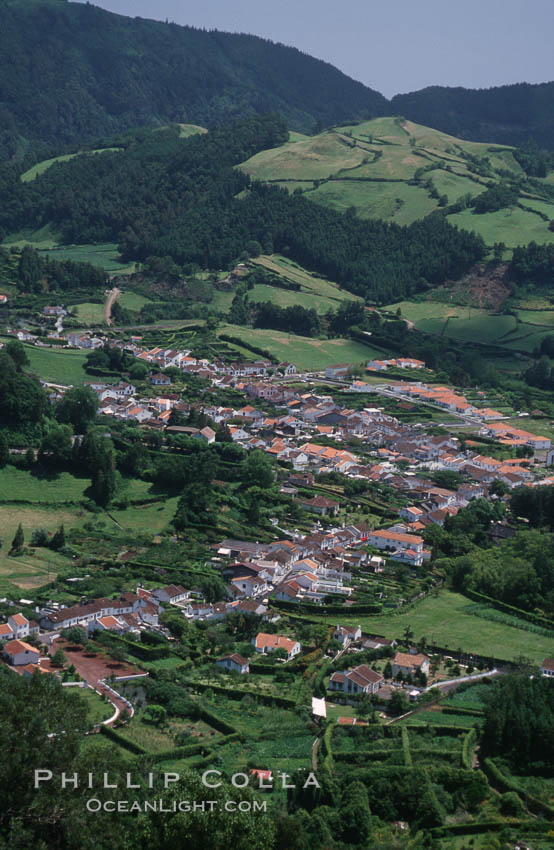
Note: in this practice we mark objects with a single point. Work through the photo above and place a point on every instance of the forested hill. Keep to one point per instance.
(166, 196)
(511, 115)
(74, 72)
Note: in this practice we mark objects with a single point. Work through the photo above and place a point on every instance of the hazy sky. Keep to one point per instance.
(390, 45)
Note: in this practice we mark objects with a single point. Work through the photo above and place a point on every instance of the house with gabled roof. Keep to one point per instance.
(235, 663)
(18, 652)
(359, 680)
(265, 643)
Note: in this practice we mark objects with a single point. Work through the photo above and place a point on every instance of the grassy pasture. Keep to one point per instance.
(60, 366)
(372, 164)
(317, 286)
(289, 298)
(398, 202)
(89, 313)
(104, 254)
(444, 620)
(304, 352)
(132, 300)
(512, 226)
(32, 569)
(60, 487)
(313, 158)
(154, 517)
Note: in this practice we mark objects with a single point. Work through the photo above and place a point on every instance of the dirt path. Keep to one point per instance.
(112, 298)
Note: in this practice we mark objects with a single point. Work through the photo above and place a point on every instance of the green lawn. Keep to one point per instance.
(444, 621)
(59, 366)
(304, 352)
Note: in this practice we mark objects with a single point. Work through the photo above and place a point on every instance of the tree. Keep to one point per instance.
(78, 408)
(499, 488)
(354, 814)
(408, 635)
(19, 539)
(58, 540)
(56, 446)
(258, 470)
(18, 354)
(4, 451)
(387, 670)
(398, 703)
(59, 658)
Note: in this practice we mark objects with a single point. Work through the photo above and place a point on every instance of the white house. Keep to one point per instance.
(408, 664)
(19, 625)
(384, 539)
(18, 652)
(234, 662)
(172, 593)
(346, 634)
(360, 680)
(265, 643)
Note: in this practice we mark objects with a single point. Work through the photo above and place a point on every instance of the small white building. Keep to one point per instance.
(17, 652)
(235, 663)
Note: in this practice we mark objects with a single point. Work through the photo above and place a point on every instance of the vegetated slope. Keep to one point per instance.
(396, 170)
(513, 114)
(167, 196)
(73, 72)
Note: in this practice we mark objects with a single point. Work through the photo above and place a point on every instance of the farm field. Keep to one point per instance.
(32, 569)
(89, 313)
(377, 167)
(154, 517)
(18, 484)
(59, 366)
(473, 324)
(513, 226)
(289, 298)
(393, 201)
(305, 352)
(317, 286)
(186, 130)
(103, 254)
(132, 300)
(444, 621)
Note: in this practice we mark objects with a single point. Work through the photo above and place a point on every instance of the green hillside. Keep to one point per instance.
(399, 171)
(72, 72)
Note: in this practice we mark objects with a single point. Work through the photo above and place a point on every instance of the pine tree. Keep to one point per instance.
(58, 540)
(18, 540)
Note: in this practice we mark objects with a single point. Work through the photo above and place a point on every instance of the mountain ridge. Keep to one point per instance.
(74, 73)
